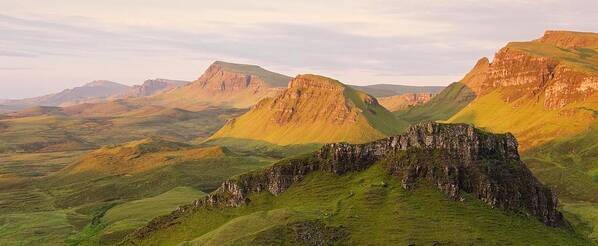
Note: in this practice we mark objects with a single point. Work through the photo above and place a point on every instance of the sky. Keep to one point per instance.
(47, 46)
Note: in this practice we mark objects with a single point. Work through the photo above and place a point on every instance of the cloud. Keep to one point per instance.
(424, 41)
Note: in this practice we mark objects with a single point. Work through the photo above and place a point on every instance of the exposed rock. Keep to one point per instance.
(456, 158)
(541, 68)
(152, 87)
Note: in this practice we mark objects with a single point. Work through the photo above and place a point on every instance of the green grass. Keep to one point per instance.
(116, 221)
(362, 208)
(251, 147)
(51, 133)
(442, 106)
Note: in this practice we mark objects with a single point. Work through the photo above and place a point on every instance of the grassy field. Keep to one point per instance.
(53, 133)
(101, 207)
(362, 208)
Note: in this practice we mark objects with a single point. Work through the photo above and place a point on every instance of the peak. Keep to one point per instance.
(315, 81)
(482, 62)
(234, 66)
(569, 39)
(101, 83)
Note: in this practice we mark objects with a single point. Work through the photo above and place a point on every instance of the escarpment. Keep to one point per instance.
(556, 70)
(456, 158)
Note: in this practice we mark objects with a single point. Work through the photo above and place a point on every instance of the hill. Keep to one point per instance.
(93, 92)
(385, 193)
(404, 101)
(314, 109)
(546, 88)
(223, 85)
(387, 90)
(138, 156)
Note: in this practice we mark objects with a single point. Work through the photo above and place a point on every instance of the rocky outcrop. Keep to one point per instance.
(550, 68)
(456, 158)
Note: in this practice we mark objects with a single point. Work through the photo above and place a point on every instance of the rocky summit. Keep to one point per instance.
(457, 159)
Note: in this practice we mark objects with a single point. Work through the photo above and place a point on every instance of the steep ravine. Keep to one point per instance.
(456, 158)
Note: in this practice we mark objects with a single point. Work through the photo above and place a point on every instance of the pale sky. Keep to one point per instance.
(47, 46)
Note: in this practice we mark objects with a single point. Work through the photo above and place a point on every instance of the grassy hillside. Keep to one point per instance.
(359, 208)
(348, 115)
(569, 165)
(112, 195)
(442, 106)
(528, 120)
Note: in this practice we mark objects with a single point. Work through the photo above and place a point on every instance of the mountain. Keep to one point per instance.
(152, 87)
(224, 85)
(404, 101)
(314, 109)
(382, 193)
(93, 92)
(387, 90)
(547, 88)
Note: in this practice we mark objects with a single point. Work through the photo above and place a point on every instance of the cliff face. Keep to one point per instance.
(557, 68)
(456, 158)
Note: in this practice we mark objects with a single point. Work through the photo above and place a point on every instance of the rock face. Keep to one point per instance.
(456, 158)
(314, 109)
(557, 68)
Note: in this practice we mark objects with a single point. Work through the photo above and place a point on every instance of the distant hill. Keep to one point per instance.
(224, 85)
(314, 109)
(386, 90)
(404, 101)
(92, 92)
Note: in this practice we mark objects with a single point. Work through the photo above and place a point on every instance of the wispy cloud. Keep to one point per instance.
(426, 42)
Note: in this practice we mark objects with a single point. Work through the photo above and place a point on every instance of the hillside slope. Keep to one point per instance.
(314, 109)
(547, 88)
(404, 101)
(385, 192)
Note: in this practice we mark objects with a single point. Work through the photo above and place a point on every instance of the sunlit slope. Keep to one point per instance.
(314, 109)
(529, 121)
